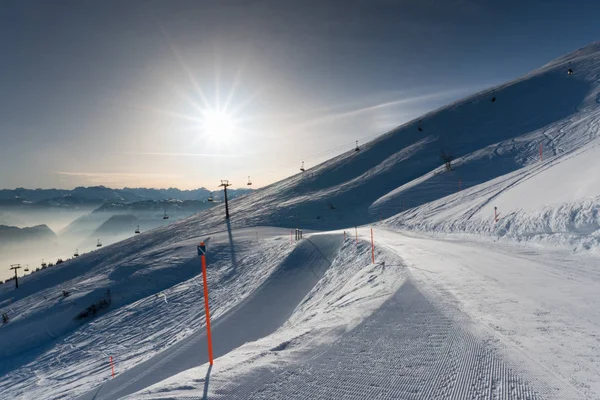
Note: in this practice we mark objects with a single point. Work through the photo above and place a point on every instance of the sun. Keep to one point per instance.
(218, 126)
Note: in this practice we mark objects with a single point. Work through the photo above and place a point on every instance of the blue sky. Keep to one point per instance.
(116, 92)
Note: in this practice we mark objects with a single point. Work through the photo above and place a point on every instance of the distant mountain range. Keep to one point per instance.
(14, 235)
(83, 196)
(156, 205)
(114, 221)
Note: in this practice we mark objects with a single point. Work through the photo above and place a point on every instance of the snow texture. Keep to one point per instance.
(459, 303)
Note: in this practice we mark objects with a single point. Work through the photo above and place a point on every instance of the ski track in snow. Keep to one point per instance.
(540, 304)
(407, 349)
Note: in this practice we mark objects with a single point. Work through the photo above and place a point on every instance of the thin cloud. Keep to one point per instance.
(186, 154)
(408, 100)
(120, 179)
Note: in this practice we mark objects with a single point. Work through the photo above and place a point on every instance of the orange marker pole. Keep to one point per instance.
(112, 367)
(372, 247)
(356, 231)
(202, 253)
(344, 236)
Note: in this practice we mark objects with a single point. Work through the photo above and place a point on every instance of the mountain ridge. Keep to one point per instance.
(101, 194)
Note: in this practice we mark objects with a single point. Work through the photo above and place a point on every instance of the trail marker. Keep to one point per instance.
(356, 231)
(202, 254)
(112, 367)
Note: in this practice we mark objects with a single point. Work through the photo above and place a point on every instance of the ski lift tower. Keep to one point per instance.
(16, 267)
(225, 183)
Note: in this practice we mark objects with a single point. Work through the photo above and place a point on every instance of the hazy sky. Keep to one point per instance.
(116, 92)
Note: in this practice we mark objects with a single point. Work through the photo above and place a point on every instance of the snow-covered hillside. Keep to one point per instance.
(434, 317)
(403, 169)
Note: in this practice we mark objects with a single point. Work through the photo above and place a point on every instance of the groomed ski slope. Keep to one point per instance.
(461, 311)
(541, 303)
(472, 319)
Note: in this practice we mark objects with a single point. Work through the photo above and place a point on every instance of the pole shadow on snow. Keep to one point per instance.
(329, 262)
(206, 379)
(231, 249)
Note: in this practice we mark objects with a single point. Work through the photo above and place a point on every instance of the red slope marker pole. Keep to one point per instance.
(202, 253)
(356, 231)
(372, 247)
(112, 367)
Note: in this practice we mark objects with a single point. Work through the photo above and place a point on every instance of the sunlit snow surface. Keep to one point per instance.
(457, 305)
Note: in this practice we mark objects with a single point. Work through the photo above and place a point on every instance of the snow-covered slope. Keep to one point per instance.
(553, 201)
(316, 318)
(403, 168)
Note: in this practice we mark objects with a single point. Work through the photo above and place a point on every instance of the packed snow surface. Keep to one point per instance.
(485, 282)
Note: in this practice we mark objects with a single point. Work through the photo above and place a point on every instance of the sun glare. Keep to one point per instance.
(218, 126)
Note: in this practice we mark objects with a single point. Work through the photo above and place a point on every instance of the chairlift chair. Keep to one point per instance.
(302, 167)
(26, 269)
(44, 263)
(357, 148)
(210, 198)
(137, 230)
(165, 216)
(76, 254)
(249, 181)
(98, 244)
